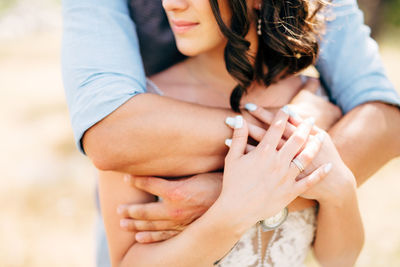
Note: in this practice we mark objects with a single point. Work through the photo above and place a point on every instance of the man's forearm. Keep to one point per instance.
(367, 137)
(156, 135)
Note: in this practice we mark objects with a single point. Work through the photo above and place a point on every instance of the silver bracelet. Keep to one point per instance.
(275, 221)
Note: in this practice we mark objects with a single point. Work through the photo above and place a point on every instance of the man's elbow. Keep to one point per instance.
(391, 128)
(102, 150)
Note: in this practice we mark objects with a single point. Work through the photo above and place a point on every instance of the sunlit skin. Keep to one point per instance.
(201, 76)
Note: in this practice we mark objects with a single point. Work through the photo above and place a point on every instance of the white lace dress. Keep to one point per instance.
(288, 246)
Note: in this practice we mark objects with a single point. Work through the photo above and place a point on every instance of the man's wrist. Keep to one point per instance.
(344, 191)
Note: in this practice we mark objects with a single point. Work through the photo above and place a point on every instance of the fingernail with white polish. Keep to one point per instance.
(294, 115)
(286, 109)
(328, 167)
(228, 142)
(230, 121)
(291, 113)
(250, 107)
(239, 122)
(310, 121)
(320, 137)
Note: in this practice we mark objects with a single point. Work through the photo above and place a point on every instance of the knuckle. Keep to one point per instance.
(134, 225)
(265, 147)
(278, 124)
(141, 182)
(306, 157)
(176, 214)
(138, 212)
(299, 139)
(131, 212)
(164, 235)
(128, 225)
(239, 134)
(177, 194)
(150, 225)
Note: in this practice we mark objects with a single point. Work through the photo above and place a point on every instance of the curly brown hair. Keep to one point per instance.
(288, 43)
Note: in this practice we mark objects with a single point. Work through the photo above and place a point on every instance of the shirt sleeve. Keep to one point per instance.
(101, 62)
(349, 62)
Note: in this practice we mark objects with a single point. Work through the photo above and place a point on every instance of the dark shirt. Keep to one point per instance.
(156, 40)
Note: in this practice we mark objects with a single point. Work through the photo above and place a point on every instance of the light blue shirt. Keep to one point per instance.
(102, 67)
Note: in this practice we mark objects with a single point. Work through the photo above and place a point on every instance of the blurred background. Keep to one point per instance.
(47, 203)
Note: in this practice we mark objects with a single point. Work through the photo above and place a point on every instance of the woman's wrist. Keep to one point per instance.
(227, 216)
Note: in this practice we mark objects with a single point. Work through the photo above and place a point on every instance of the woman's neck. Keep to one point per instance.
(209, 67)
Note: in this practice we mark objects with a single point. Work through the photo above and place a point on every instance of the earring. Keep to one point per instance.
(259, 33)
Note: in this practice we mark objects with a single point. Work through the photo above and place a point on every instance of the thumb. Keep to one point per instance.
(239, 140)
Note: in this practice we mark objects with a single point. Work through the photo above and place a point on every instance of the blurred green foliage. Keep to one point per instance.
(6, 4)
(392, 13)
(383, 16)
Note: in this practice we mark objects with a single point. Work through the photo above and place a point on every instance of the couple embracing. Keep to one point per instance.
(220, 151)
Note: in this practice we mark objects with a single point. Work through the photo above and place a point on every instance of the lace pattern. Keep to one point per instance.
(288, 248)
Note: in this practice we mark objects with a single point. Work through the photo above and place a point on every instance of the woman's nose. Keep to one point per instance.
(175, 5)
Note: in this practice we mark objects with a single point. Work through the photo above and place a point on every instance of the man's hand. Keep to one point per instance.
(183, 201)
(307, 104)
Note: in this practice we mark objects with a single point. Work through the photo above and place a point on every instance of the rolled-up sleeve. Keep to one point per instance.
(101, 62)
(349, 62)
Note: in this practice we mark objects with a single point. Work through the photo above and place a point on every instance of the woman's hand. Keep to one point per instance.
(340, 181)
(307, 104)
(259, 184)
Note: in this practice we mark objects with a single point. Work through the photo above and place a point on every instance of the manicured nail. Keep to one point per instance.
(328, 167)
(239, 122)
(286, 109)
(230, 121)
(123, 223)
(320, 137)
(120, 209)
(250, 107)
(228, 142)
(291, 113)
(310, 121)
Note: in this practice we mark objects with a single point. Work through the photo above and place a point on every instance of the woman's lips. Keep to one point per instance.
(181, 26)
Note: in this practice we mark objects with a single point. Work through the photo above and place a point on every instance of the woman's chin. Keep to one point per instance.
(189, 51)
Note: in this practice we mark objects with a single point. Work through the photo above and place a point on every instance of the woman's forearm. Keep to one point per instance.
(340, 235)
(202, 243)
(156, 135)
(195, 247)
